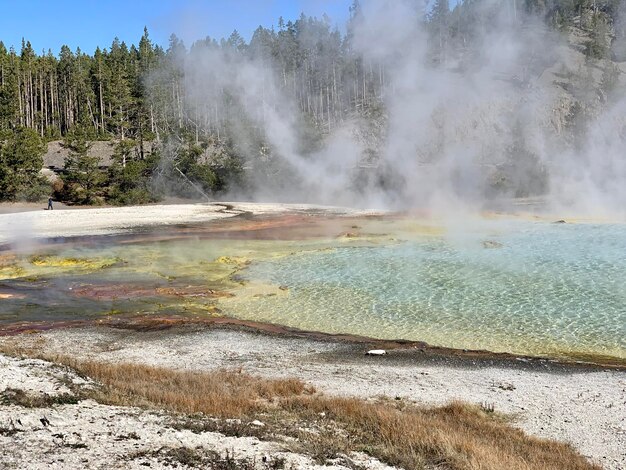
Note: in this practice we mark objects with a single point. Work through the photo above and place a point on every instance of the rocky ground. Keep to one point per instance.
(581, 405)
(45, 424)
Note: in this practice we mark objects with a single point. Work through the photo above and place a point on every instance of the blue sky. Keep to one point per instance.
(48, 24)
(90, 23)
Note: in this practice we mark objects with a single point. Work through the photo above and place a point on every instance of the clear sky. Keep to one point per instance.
(91, 23)
(48, 24)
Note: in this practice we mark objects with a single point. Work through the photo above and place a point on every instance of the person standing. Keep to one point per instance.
(50, 204)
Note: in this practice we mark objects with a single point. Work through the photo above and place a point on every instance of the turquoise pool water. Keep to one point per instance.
(520, 287)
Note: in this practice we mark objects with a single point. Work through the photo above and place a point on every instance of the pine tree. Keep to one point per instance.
(118, 91)
(129, 176)
(83, 177)
(9, 112)
(21, 160)
(440, 24)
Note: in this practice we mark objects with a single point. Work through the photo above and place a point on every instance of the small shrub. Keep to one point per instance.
(12, 396)
(38, 191)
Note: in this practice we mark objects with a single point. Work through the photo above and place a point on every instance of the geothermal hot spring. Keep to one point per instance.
(522, 286)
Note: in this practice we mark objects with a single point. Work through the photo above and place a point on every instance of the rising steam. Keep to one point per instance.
(496, 119)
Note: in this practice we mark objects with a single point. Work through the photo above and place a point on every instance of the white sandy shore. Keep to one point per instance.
(67, 223)
(584, 408)
(31, 225)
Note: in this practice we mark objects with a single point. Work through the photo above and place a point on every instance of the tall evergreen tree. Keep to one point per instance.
(83, 177)
(21, 152)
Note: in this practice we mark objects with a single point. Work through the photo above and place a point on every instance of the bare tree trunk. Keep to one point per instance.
(44, 110)
(41, 103)
(31, 97)
(100, 98)
(121, 124)
(19, 96)
(52, 111)
(328, 109)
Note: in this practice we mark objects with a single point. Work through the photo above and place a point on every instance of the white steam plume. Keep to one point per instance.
(453, 128)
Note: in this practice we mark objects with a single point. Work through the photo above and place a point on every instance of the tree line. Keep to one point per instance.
(134, 95)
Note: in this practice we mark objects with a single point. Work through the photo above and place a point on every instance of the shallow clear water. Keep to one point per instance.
(534, 288)
(503, 285)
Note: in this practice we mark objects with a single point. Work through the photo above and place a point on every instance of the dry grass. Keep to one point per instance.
(200, 458)
(225, 394)
(456, 436)
(12, 396)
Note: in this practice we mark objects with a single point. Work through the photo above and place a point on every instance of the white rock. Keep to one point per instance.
(257, 423)
(376, 352)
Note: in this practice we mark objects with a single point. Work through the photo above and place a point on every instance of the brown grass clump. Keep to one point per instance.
(12, 396)
(221, 393)
(456, 436)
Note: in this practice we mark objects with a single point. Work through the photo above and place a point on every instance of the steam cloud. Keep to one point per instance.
(451, 127)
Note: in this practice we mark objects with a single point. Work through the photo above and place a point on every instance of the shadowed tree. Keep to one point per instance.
(21, 160)
(83, 177)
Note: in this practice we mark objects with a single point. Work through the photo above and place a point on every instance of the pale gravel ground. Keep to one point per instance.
(32, 376)
(96, 436)
(21, 227)
(586, 409)
(42, 224)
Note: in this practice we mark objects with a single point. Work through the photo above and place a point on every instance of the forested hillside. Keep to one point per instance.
(205, 137)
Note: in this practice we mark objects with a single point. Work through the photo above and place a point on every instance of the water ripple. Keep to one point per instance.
(545, 289)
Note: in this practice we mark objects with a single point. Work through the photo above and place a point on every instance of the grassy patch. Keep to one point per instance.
(184, 456)
(200, 458)
(221, 393)
(12, 396)
(457, 436)
(229, 427)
